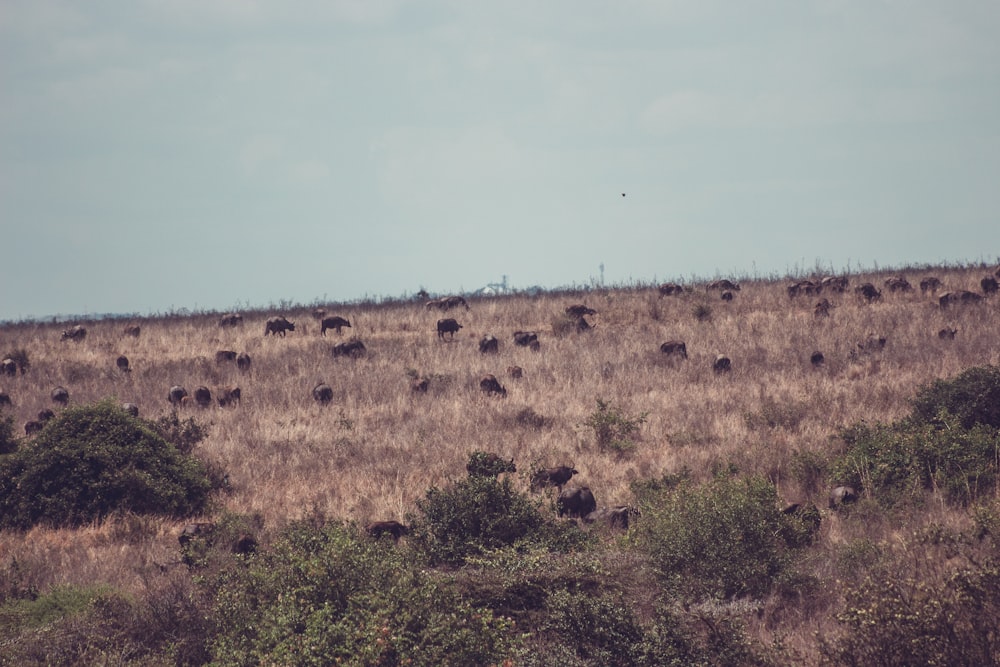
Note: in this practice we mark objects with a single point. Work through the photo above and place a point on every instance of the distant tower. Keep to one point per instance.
(504, 283)
(601, 267)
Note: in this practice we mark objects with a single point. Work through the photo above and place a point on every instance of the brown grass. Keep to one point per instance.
(379, 446)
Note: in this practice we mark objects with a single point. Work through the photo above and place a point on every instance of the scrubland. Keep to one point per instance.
(377, 448)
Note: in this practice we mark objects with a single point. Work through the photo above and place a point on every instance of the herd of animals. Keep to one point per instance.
(576, 502)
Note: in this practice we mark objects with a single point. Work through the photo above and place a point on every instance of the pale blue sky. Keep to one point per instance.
(207, 154)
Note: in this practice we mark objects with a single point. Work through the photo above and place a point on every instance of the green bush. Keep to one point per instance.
(183, 435)
(91, 461)
(613, 428)
(973, 397)
(600, 629)
(721, 539)
(487, 464)
(8, 443)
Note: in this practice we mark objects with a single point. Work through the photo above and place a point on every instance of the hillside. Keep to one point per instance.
(374, 451)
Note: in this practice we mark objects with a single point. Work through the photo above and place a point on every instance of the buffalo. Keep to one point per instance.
(868, 292)
(132, 330)
(243, 361)
(579, 310)
(176, 394)
(231, 320)
(352, 348)
(722, 364)
(202, 396)
(8, 367)
(958, 297)
(557, 477)
(948, 333)
(668, 289)
(842, 495)
(447, 303)
(989, 285)
(195, 530)
(485, 464)
(448, 325)
(614, 517)
(323, 393)
(336, 322)
(817, 359)
(525, 338)
(515, 372)
(929, 284)
(227, 395)
(420, 385)
(4, 398)
(44, 415)
(122, 363)
(278, 326)
(724, 285)
(577, 502)
(726, 296)
(675, 348)
(378, 529)
(60, 395)
(490, 385)
(822, 308)
(803, 287)
(245, 544)
(898, 284)
(834, 283)
(489, 345)
(131, 408)
(32, 427)
(222, 356)
(872, 344)
(75, 334)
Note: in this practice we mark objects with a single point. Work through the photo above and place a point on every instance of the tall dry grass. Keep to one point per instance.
(379, 446)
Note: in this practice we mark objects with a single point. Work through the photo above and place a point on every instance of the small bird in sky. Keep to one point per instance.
(623, 194)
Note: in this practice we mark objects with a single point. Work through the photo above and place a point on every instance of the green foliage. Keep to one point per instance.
(91, 461)
(720, 539)
(486, 464)
(327, 595)
(613, 428)
(601, 629)
(183, 435)
(58, 603)
(973, 397)
(899, 462)
(471, 516)
(8, 443)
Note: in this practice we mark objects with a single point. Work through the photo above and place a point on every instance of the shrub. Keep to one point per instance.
(613, 428)
(486, 464)
(183, 435)
(973, 397)
(91, 461)
(720, 539)
(8, 443)
(600, 629)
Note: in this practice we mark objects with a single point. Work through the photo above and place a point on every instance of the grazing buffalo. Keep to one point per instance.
(132, 330)
(578, 502)
(675, 348)
(448, 325)
(486, 464)
(243, 361)
(60, 395)
(75, 334)
(872, 344)
(868, 292)
(948, 333)
(669, 289)
(32, 427)
(44, 415)
(336, 322)
(842, 495)
(4, 398)
(525, 338)
(817, 359)
(726, 296)
(195, 530)
(222, 356)
(490, 385)
(557, 477)
(227, 395)
(515, 372)
(929, 284)
(231, 320)
(447, 303)
(722, 364)
(176, 394)
(245, 544)
(724, 285)
(822, 308)
(614, 517)
(352, 348)
(489, 345)
(378, 529)
(8, 367)
(898, 284)
(989, 285)
(803, 287)
(834, 283)
(131, 408)
(202, 396)
(122, 363)
(420, 385)
(958, 297)
(323, 393)
(278, 325)
(579, 310)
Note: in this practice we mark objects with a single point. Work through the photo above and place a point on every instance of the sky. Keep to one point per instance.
(159, 155)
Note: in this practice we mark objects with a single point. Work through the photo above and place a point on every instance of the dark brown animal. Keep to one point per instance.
(675, 348)
(491, 386)
(323, 393)
(579, 310)
(245, 544)
(489, 345)
(989, 285)
(726, 296)
(75, 334)
(557, 477)
(228, 395)
(842, 495)
(132, 330)
(803, 287)
(122, 363)
(131, 408)
(5, 398)
(336, 323)
(669, 289)
(898, 284)
(378, 529)
(9, 367)
(420, 385)
(193, 531)
(222, 356)
(202, 396)
(45, 414)
(868, 292)
(448, 325)
(176, 394)
(722, 364)
(515, 372)
(447, 303)
(817, 359)
(231, 320)
(578, 502)
(32, 427)
(619, 517)
(278, 326)
(243, 361)
(963, 297)
(525, 338)
(724, 285)
(929, 284)
(834, 283)
(822, 308)
(352, 348)
(60, 395)
(948, 333)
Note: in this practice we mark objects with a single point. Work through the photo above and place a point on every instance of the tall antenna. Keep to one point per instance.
(601, 267)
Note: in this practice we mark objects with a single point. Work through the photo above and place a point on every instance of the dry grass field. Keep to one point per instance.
(373, 451)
